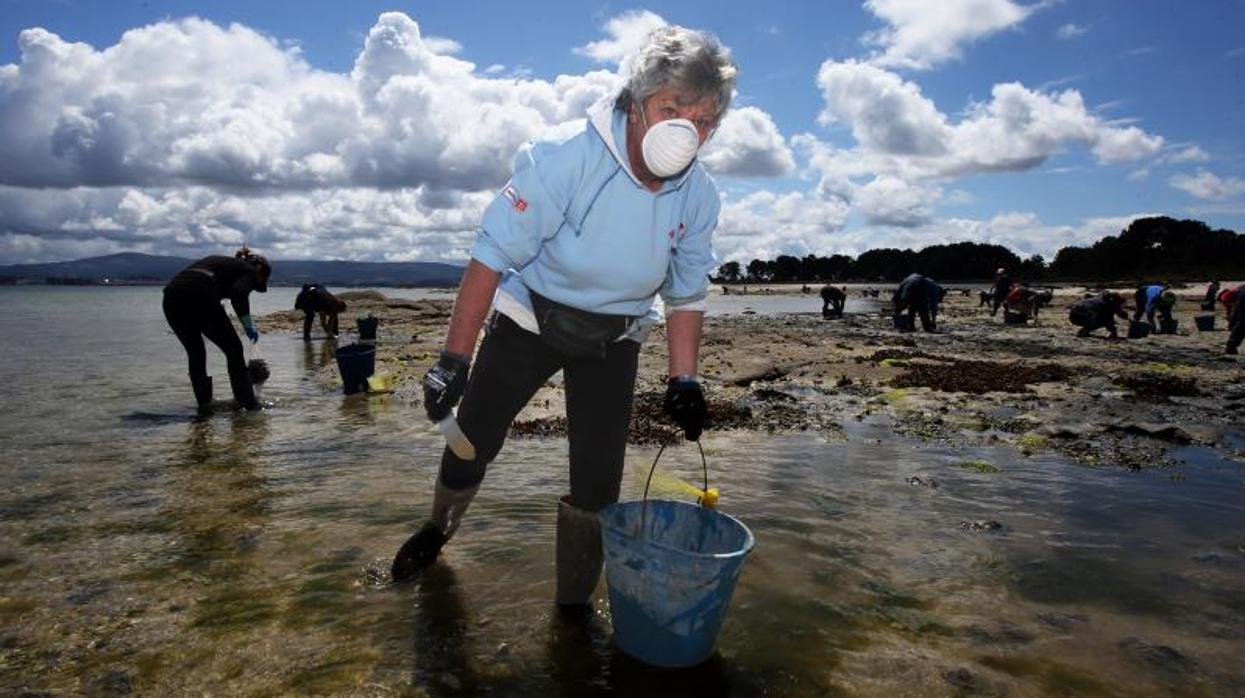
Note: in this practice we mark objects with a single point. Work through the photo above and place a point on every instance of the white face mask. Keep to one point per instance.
(669, 146)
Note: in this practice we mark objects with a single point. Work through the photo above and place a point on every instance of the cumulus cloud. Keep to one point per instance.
(765, 224)
(748, 144)
(627, 34)
(1070, 31)
(922, 34)
(1190, 153)
(888, 200)
(1208, 185)
(900, 131)
(193, 103)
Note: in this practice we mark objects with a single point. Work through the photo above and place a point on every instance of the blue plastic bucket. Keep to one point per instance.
(670, 583)
(356, 362)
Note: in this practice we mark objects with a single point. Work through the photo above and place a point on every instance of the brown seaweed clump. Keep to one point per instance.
(967, 376)
(1150, 384)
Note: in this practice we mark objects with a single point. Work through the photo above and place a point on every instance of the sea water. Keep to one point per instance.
(143, 551)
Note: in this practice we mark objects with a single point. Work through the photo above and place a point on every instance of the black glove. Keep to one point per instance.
(685, 403)
(444, 384)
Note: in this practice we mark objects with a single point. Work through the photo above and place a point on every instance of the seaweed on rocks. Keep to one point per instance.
(969, 376)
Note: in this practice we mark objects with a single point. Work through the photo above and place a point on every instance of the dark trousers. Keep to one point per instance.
(194, 313)
(511, 366)
(1237, 325)
(1139, 300)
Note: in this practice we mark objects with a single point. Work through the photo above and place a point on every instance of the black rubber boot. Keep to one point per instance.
(243, 391)
(578, 555)
(203, 393)
(419, 551)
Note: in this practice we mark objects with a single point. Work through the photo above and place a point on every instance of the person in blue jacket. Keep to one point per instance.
(192, 306)
(1151, 299)
(591, 230)
(919, 295)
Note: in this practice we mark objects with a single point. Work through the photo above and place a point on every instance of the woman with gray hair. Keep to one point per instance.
(570, 258)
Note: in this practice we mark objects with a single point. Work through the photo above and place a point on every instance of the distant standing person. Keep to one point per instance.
(1100, 311)
(919, 295)
(832, 301)
(192, 306)
(314, 299)
(1236, 316)
(1002, 287)
(1151, 299)
(1212, 292)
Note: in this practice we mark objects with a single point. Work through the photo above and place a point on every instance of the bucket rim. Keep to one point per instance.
(748, 543)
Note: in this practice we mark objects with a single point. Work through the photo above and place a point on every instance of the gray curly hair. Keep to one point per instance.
(693, 61)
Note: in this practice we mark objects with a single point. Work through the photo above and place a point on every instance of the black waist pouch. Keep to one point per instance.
(574, 332)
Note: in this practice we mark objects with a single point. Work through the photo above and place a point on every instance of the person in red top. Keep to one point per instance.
(1231, 299)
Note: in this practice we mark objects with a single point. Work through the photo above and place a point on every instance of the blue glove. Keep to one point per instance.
(685, 404)
(248, 326)
(444, 385)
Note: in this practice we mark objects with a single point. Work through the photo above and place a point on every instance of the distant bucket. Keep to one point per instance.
(671, 569)
(1205, 323)
(1168, 326)
(367, 327)
(1138, 329)
(356, 362)
(904, 323)
(1010, 318)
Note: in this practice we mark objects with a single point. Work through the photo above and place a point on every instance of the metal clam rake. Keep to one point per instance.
(671, 569)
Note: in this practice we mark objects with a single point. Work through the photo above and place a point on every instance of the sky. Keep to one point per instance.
(380, 131)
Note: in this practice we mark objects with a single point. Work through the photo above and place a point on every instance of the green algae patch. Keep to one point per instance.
(337, 673)
(1055, 678)
(234, 609)
(980, 466)
(51, 534)
(1031, 442)
(895, 396)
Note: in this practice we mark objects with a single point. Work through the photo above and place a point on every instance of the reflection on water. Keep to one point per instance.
(143, 550)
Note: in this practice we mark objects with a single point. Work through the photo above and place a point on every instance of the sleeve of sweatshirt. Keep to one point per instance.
(692, 260)
(531, 207)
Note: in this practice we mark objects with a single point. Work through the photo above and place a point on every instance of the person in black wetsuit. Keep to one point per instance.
(917, 294)
(313, 299)
(832, 301)
(192, 306)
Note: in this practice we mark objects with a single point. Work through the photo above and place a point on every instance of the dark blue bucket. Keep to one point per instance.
(670, 582)
(367, 327)
(356, 362)
(1205, 323)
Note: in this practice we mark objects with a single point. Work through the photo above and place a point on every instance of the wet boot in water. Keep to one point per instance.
(203, 393)
(421, 549)
(579, 556)
(243, 391)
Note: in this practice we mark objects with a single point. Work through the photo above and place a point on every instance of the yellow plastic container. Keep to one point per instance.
(380, 383)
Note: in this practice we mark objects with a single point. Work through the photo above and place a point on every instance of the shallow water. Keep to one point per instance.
(142, 551)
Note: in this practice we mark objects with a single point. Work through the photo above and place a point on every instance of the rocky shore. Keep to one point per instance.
(1037, 386)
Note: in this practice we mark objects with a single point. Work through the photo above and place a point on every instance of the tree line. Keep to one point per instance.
(1149, 248)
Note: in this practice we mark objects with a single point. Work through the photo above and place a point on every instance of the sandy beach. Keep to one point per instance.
(1038, 386)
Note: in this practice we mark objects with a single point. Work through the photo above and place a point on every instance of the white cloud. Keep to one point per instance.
(748, 144)
(1070, 31)
(764, 224)
(923, 34)
(1208, 185)
(900, 131)
(888, 200)
(1190, 153)
(627, 32)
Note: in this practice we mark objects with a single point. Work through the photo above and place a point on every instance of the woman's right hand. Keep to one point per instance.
(444, 384)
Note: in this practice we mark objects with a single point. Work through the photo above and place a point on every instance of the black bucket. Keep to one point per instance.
(1168, 326)
(356, 362)
(1010, 318)
(1205, 323)
(1138, 329)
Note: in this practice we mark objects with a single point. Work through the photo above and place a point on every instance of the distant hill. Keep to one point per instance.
(134, 268)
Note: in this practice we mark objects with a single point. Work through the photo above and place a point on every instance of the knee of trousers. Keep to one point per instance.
(458, 474)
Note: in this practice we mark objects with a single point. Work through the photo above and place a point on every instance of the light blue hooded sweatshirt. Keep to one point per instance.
(575, 225)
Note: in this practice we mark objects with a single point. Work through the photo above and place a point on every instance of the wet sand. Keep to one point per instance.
(976, 381)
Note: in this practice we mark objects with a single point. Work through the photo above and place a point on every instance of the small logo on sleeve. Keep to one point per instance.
(518, 202)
